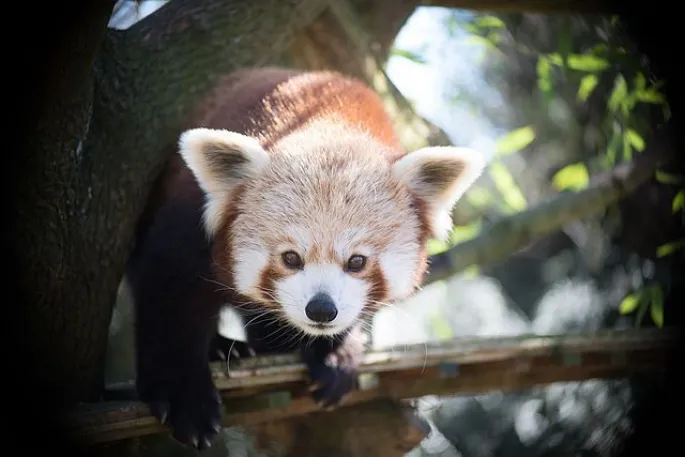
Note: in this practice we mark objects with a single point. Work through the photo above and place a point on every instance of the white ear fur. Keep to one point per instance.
(440, 176)
(220, 160)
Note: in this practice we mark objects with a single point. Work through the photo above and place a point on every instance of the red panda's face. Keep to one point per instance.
(324, 234)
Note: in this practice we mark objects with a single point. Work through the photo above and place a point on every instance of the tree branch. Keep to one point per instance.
(510, 234)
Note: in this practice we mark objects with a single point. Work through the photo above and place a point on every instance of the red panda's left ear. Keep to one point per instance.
(440, 176)
(220, 160)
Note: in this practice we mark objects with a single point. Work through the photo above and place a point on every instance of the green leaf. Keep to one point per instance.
(587, 62)
(678, 202)
(494, 37)
(641, 313)
(649, 96)
(629, 303)
(544, 71)
(634, 139)
(618, 94)
(668, 178)
(573, 177)
(587, 85)
(407, 54)
(489, 21)
(555, 58)
(612, 149)
(669, 248)
(507, 187)
(515, 140)
(657, 307)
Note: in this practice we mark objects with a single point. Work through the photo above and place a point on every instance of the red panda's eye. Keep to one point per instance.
(356, 263)
(292, 260)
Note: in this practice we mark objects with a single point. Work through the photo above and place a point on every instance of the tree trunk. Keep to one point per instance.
(107, 102)
(54, 203)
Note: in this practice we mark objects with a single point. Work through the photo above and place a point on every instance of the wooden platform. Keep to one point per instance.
(266, 389)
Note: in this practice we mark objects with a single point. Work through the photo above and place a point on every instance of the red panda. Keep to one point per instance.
(292, 200)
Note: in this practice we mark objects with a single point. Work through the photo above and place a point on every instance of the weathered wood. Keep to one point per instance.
(262, 390)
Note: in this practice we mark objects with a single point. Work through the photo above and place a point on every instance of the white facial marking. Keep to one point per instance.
(399, 264)
(348, 293)
(250, 260)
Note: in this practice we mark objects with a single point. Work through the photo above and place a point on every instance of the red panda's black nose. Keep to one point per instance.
(321, 308)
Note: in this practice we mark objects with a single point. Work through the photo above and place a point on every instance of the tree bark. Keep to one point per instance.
(51, 201)
(94, 152)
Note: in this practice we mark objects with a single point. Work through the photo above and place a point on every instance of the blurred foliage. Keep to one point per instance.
(587, 65)
(649, 298)
(571, 177)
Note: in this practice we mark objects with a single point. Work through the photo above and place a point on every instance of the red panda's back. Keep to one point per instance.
(269, 103)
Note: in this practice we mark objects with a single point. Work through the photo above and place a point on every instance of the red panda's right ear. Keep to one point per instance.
(220, 160)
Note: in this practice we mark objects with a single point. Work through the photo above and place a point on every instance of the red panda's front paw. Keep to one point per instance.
(192, 410)
(333, 374)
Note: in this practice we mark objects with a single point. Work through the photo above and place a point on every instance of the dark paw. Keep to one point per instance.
(192, 410)
(224, 349)
(333, 374)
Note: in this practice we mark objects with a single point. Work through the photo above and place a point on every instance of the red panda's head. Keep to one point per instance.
(325, 230)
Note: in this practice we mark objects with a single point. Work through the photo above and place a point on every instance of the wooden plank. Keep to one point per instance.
(260, 390)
